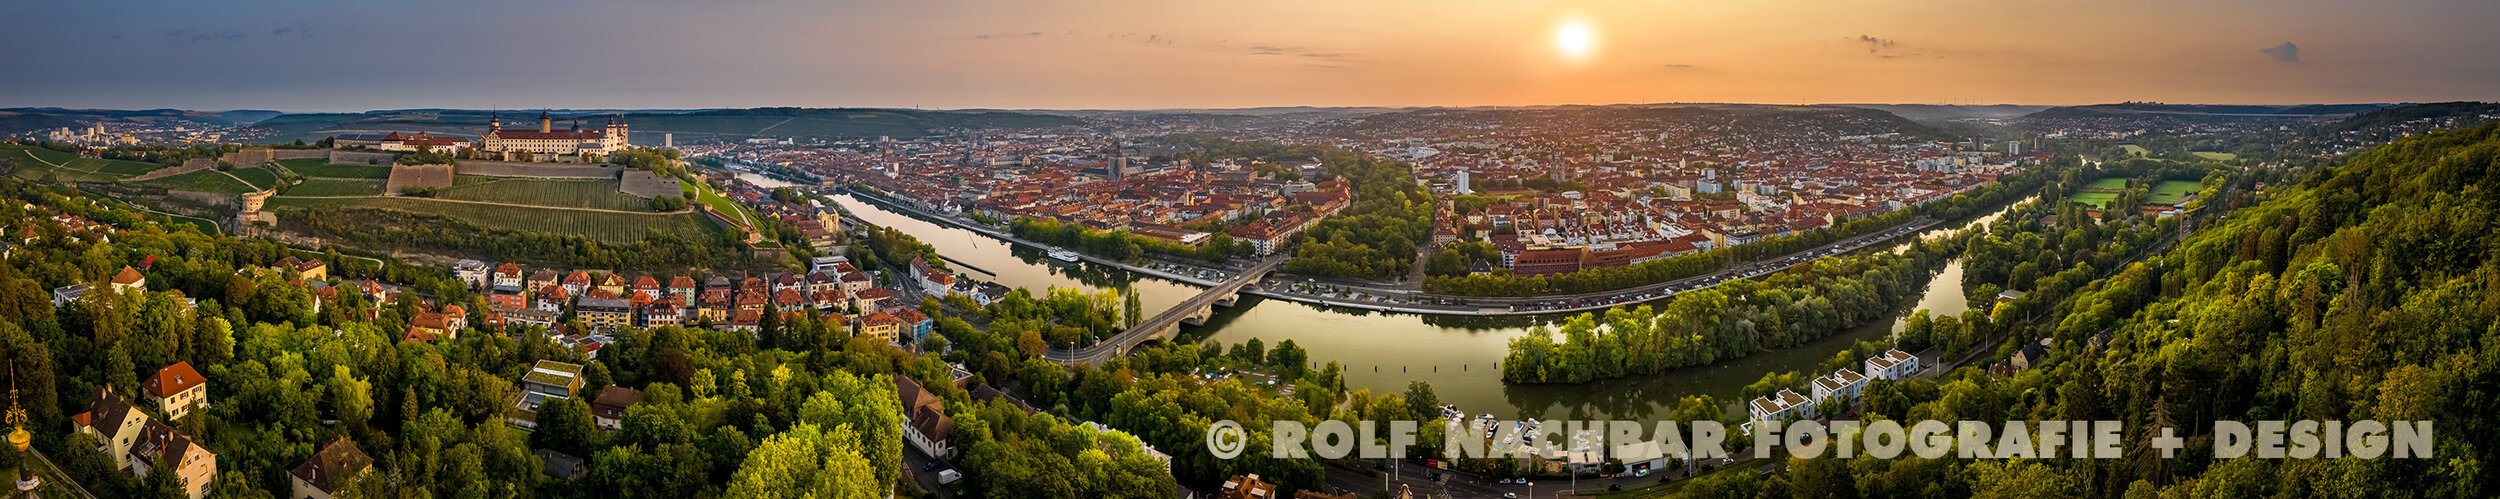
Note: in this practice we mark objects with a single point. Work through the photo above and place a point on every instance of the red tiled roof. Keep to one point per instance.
(174, 379)
(128, 276)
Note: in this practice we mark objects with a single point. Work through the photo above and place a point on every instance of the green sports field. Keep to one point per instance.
(2216, 156)
(2170, 192)
(2097, 200)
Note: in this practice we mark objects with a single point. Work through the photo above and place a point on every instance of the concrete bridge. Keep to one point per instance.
(1194, 312)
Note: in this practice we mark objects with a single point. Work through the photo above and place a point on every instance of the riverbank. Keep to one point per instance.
(1383, 351)
(1399, 301)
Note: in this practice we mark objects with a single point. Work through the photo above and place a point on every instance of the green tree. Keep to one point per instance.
(564, 425)
(807, 462)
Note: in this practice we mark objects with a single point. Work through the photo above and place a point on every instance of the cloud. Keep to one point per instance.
(1675, 66)
(1874, 44)
(2287, 52)
(1304, 52)
(996, 36)
(227, 35)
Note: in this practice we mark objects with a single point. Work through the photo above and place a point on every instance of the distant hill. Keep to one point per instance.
(2138, 108)
(687, 125)
(1839, 119)
(31, 119)
(1932, 112)
(2400, 114)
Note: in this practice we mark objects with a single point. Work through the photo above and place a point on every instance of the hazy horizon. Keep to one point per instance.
(301, 56)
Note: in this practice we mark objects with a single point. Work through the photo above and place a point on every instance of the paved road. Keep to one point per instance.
(926, 481)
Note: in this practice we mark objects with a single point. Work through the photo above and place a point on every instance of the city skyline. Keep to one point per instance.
(303, 56)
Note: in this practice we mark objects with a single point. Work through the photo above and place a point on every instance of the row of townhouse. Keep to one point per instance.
(1844, 385)
(606, 301)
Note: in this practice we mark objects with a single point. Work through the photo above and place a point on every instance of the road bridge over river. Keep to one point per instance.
(1194, 311)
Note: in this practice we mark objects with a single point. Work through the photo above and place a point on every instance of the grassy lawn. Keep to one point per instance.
(2170, 192)
(322, 168)
(2136, 150)
(170, 220)
(203, 181)
(320, 186)
(614, 227)
(2095, 199)
(568, 193)
(2216, 156)
(261, 178)
(730, 207)
(2112, 183)
(34, 162)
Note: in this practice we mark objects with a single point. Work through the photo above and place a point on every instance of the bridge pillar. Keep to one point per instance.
(1200, 318)
(1228, 300)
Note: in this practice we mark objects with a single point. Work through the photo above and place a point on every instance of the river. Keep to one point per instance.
(1381, 352)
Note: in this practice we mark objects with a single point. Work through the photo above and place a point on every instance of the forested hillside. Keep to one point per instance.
(2365, 291)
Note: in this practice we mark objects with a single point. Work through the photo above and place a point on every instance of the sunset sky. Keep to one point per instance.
(350, 55)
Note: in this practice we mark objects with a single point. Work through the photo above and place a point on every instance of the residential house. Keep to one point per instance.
(472, 272)
(684, 288)
(1246, 487)
(321, 475)
(548, 380)
(604, 313)
(649, 286)
(871, 298)
(507, 296)
(925, 424)
(663, 313)
(508, 274)
(882, 326)
(553, 298)
(542, 278)
(62, 296)
(1779, 406)
(427, 327)
(915, 325)
(1892, 365)
(129, 280)
(1843, 384)
(577, 282)
(613, 284)
(176, 390)
(609, 409)
(138, 443)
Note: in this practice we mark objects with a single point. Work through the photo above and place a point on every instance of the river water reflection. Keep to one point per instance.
(1381, 352)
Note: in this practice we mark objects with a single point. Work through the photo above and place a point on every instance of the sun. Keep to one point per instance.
(1575, 40)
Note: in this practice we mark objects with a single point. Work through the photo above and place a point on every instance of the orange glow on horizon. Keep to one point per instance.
(1575, 40)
